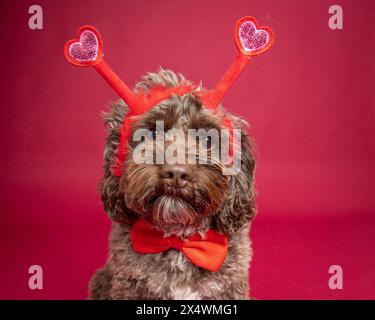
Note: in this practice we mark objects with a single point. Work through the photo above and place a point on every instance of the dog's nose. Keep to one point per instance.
(176, 176)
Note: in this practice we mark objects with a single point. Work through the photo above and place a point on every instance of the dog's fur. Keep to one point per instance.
(212, 201)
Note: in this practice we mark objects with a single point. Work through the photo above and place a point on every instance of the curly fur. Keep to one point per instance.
(213, 201)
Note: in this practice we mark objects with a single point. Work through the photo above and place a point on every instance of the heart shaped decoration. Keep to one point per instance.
(252, 40)
(87, 50)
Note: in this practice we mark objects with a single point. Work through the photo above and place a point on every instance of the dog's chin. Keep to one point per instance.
(170, 212)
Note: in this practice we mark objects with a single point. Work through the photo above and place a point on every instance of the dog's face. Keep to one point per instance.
(177, 197)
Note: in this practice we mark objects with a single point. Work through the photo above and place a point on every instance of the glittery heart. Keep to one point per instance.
(86, 51)
(252, 40)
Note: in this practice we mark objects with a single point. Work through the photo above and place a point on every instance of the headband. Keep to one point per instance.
(87, 51)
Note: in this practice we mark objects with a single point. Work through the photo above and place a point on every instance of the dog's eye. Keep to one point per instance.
(208, 142)
(154, 133)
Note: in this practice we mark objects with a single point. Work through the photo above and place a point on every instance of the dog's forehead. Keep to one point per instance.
(182, 121)
(181, 115)
(193, 120)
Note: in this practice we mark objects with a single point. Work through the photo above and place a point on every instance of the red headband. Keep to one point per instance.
(87, 50)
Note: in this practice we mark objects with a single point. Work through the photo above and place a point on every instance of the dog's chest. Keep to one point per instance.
(183, 281)
(184, 294)
(175, 281)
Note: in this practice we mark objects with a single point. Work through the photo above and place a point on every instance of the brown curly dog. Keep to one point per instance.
(206, 199)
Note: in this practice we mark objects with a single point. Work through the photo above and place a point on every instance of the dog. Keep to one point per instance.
(178, 201)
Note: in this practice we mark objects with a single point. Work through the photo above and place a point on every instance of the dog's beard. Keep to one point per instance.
(169, 209)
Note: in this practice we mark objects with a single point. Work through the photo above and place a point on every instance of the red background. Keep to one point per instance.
(310, 101)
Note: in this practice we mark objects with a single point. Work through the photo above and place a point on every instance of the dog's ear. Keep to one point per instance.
(112, 194)
(239, 207)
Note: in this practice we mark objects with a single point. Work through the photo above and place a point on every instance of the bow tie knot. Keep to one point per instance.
(175, 243)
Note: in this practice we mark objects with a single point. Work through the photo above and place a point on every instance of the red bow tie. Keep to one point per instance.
(208, 253)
